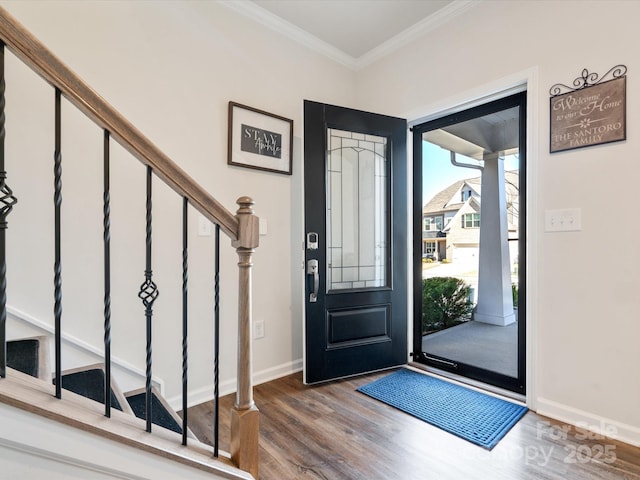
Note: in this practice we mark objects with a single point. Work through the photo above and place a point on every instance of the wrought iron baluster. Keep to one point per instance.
(148, 294)
(107, 276)
(7, 201)
(216, 348)
(57, 266)
(185, 277)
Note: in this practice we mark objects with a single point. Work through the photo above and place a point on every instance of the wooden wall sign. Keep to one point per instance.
(592, 113)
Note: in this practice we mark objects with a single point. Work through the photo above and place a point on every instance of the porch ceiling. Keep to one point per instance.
(497, 132)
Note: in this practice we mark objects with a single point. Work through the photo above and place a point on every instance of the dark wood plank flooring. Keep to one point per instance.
(332, 432)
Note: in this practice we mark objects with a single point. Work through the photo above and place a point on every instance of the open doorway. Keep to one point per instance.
(469, 242)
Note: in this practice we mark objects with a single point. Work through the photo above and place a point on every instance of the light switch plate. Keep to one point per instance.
(563, 220)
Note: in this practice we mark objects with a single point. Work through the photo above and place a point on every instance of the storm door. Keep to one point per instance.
(470, 242)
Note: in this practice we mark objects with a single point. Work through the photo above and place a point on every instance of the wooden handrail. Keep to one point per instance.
(42, 61)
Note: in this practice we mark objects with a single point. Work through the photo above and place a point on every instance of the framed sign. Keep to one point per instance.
(591, 114)
(259, 139)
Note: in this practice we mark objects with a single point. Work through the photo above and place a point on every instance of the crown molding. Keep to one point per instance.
(272, 21)
(298, 35)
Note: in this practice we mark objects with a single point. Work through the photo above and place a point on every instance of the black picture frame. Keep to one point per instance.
(259, 140)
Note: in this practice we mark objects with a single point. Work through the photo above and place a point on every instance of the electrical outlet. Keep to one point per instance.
(564, 220)
(204, 226)
(258, 329)
(263, 229)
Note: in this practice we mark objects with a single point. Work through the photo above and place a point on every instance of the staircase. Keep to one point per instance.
(31, 356)
(87, 399)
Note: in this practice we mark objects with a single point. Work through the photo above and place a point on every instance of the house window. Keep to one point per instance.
(433, 223)
(429, 247)
(471, 220)
(466, 194)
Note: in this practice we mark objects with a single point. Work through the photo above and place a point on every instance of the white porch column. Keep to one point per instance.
(495, 301)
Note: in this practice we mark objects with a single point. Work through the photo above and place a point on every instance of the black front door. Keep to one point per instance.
(356, 242)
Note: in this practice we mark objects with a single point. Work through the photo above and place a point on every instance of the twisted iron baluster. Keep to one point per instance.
(185, 277)
(216, 347)
(148, 294)
(8, 201)
(107, 278)
(57, 266)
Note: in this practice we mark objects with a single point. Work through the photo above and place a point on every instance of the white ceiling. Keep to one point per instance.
(353, 26)
(353, 32)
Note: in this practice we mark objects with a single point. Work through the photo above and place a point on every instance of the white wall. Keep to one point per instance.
(583, 305)
(171, 68)
(184, 63)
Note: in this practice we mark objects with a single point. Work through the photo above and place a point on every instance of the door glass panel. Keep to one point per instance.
(357, 204)
(471, 180)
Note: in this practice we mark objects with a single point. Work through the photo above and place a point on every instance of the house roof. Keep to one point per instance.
(448, 199)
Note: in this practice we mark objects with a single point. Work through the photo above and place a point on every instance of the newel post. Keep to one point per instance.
(245, 415)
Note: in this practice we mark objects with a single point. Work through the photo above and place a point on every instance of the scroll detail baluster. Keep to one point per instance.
(148, 294)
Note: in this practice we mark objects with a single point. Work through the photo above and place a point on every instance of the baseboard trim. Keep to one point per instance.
(205, 394)
(589, 421)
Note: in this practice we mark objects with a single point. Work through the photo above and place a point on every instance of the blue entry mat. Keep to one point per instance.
(474, 416)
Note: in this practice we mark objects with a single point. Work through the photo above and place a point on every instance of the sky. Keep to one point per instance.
(438, 172)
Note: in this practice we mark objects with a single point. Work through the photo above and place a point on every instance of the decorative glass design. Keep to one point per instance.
(358, 211)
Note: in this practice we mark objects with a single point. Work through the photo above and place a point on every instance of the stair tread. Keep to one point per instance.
(90, 384)
(88, 381)
(23, 355)
(160, 415)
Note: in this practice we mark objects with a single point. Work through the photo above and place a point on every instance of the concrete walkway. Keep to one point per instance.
(486, 346)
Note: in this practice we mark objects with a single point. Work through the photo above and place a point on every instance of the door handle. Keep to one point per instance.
(312, 269)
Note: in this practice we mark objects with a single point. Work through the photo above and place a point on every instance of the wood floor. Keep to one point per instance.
(332, 432)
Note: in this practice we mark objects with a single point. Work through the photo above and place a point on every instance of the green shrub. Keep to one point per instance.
(445, 303)
(514, 293)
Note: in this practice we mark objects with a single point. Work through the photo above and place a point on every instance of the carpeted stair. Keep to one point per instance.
(88, 381)
(22, 355)
(161, 412)
(30, 356)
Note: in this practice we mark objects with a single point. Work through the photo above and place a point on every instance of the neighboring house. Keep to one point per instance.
(451, 220)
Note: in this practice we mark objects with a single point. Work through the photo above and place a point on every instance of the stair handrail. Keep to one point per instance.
(42, 61)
